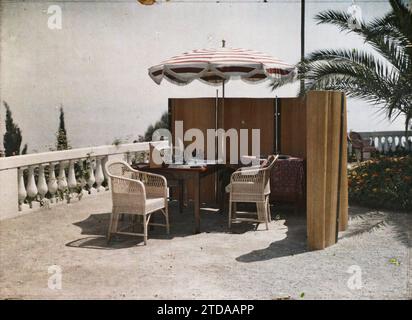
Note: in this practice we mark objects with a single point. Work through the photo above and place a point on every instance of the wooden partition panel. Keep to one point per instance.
(316, 143)
(333, 122)
(236, 113)
(252, 113)
(343, 210)
(325, 159)
(196, 113)
(293, 126)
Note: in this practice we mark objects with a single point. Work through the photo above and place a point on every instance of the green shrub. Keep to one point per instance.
(385, 183)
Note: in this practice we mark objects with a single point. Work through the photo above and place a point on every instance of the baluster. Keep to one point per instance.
(52, 185)
(31, 186)
(104, 161)
(22, 194)
(374, 142)
(61, 180)
(41, 182)
(398, 142)
(91, 179)
(71, 179)
(128, 157)
(99, 175)
(386, 145)
(106, 176)
(83, 182)
(379, 144)
(383, 143)
(408, 143)
(393, 144)
(402, 143)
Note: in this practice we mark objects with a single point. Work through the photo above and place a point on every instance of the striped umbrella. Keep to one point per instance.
(217, 66)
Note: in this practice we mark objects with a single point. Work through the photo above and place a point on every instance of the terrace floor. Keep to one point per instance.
(215, 264)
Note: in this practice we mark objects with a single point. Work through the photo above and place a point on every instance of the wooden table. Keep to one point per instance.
(182, 175)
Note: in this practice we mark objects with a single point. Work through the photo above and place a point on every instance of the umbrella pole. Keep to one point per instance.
(223, 103)
(217, 198)
(216, 118)
(222, 117)
(276, 124)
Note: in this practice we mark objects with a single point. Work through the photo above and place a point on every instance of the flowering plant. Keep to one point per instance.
(385, 182)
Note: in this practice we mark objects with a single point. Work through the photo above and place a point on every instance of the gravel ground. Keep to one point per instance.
(215, 264)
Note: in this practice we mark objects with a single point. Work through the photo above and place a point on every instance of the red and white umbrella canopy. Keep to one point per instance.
(214, 66)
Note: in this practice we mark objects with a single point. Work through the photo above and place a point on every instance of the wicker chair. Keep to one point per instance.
(252, 184)
(137, 193)
(362, 147)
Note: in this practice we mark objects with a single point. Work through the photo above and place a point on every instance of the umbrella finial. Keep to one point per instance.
(223, 43)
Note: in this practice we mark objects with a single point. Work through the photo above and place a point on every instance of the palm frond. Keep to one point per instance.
(393, 52)
(403, 18)
(384, 78)
(357, 59)
(339, 19)
(284, 81)
(358, 73)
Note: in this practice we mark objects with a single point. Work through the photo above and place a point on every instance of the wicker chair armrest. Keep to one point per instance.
(122, 185)
(250, 168)
(252, 175)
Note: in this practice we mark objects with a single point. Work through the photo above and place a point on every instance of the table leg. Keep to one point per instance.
(181, 196)
(196, 201)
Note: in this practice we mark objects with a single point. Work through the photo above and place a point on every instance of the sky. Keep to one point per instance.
(96, 64)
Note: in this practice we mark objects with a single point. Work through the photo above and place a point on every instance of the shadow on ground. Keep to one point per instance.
(181, 225)
(362, 220)
(367, 220)
(294, 242)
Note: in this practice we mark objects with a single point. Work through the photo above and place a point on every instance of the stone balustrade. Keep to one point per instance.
(44, 179)
(386, 141)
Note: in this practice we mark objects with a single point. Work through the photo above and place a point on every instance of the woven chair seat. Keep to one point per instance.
(154, 204)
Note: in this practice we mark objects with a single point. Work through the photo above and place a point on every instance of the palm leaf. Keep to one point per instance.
(383, 77)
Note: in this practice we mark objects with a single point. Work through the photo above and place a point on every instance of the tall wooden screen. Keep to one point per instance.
(326, 167)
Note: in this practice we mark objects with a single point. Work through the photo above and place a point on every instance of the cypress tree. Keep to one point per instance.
(12, 138)
(62, 142)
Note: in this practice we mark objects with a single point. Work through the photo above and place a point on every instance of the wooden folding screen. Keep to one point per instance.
(326, 162)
